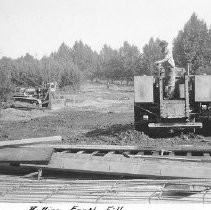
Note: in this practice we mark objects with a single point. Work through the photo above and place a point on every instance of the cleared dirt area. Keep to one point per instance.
(93, 115)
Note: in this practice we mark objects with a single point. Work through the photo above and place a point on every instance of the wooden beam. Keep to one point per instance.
(120, 165)
(26, 155)
(173, 158)
(127, 148)
(22, 142)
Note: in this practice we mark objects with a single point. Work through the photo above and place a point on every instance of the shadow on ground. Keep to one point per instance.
(117, 129)
(110, 131)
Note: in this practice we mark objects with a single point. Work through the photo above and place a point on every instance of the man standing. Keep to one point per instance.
(168, 64)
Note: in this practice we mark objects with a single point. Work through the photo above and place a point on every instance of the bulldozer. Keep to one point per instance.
(190, 108)
(39, 96)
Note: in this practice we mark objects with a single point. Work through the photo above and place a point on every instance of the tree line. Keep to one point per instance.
(69, 66)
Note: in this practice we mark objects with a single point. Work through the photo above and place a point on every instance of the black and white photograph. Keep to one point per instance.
(105, 104)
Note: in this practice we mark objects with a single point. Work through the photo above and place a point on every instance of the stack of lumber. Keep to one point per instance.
(125, 161)
(111, 160)
(177, 162)
(103, 191)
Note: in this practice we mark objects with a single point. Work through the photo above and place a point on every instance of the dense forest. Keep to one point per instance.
(71, 65)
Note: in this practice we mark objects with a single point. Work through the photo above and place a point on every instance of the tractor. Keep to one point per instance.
(190, 108)
(39, 96)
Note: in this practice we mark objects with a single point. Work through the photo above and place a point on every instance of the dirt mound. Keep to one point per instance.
(124, 134)
(133, 137)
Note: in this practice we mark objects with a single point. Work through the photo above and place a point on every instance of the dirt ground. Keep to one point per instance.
(93, 115)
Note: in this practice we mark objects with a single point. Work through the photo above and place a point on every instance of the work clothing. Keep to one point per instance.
(168, 59)
(169, 66)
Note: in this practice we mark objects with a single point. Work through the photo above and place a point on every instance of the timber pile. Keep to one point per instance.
(104, 191)
(194, 164)
(176, 162)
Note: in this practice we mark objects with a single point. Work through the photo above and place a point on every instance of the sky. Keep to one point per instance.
(39, 27)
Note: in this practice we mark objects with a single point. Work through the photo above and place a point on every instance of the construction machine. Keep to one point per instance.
(38, 96)
(190, 108)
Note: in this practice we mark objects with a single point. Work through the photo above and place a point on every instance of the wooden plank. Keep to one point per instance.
(175, 125)
(80, 152)
(207, 154)
(155, 153)
(127, 148)
(26, 155)
(109, 154)
(119, 165)
(43, 140)
(173, 158)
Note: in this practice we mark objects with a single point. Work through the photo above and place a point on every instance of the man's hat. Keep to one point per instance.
(163, 43)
